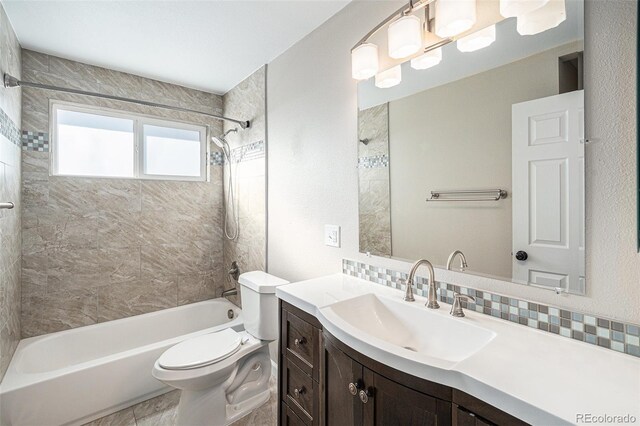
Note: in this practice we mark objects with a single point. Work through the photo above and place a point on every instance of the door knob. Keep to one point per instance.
(297, 392)
(300, 341)
(522, 255)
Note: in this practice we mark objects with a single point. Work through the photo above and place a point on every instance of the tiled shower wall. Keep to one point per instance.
(97, 249)
(9, 192)
(374, 200)
(248, 100)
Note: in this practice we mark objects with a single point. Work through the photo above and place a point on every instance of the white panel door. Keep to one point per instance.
(548, 192)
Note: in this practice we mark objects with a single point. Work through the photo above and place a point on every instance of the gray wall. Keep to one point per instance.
(313, 180)
(442, 138)
(248, 100)
(10, 239)
(97, 249)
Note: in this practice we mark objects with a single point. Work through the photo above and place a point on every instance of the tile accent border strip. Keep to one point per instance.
(9, 129)
(374, 161)
(217, 159)
(603, 332)
(247, 152)
(35, 141)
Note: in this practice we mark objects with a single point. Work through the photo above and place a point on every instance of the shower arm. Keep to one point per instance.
(11, 81)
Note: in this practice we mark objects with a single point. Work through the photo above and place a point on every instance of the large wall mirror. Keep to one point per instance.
(482, 153)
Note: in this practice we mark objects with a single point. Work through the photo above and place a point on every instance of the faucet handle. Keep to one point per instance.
(456, 308)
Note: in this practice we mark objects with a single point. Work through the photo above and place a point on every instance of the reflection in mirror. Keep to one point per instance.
(507, 117)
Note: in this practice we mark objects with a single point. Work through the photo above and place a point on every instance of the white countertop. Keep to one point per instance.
(539, 377)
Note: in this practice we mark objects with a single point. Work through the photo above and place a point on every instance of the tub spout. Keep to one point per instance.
(230, 292)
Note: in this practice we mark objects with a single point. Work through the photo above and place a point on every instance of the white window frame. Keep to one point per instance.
(139, 120)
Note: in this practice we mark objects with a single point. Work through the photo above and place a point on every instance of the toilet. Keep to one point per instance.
(225, 375)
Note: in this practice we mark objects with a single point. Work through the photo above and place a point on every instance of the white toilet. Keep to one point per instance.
(225, 375)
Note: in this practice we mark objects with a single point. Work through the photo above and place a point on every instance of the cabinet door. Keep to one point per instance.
(341, 407)
(393, 404)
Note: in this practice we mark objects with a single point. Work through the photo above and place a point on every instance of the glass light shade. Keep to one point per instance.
(478, 40)
(364, 61)
(427, 60)
(511, 8)
(545, 18)
(454, 17)
(389, 78)
(404, 37)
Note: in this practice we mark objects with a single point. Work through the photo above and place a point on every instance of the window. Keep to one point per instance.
(102, 143)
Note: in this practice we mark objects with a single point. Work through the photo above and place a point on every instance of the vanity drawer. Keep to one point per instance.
(299, 391)
(300, 343)
(289, 418)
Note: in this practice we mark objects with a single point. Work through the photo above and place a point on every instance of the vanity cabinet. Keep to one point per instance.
(324, 382)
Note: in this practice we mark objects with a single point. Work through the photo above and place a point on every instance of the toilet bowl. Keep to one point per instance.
(225, 375)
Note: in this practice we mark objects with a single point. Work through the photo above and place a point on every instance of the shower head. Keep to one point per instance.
(220, 142)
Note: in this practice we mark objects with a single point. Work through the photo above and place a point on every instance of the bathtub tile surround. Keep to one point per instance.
(35, 141)
(248, 99)
(373, 176)
(604, 332)
(9, 129)
(94, 249)
(10, 229)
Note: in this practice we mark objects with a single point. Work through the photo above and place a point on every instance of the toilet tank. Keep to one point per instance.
(259, 304)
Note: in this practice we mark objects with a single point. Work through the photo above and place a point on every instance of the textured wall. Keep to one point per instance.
(312, 157)
(10, 239)
(374, 203)
(248, 101)
(97, 249)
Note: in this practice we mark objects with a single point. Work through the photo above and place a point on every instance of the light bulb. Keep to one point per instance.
(427, 60)
(454, 17)
(478, 40)
(389, 78)
(511, 8)
(549, 16)
(404, 37)
(364, 61)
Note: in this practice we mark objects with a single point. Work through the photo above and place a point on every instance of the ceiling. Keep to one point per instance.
(210, 45)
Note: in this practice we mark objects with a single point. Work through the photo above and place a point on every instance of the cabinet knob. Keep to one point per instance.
(300, 341)
(364, 395)
(354, 387)
(297, 392)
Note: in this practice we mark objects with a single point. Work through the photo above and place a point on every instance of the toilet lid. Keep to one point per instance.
(200, 351)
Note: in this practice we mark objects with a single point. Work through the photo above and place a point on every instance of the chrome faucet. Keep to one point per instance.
(463, 260)
(456, 308)
(432, 302)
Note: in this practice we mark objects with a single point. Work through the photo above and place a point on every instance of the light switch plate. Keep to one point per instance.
(332, 235)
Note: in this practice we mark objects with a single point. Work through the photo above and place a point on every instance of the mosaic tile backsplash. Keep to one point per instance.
(610, 334)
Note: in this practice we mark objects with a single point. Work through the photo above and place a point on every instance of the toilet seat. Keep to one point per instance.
(201, 351)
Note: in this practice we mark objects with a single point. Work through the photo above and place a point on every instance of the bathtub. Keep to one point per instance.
(75, 376)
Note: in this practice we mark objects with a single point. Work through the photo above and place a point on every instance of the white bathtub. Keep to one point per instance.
(79, 375)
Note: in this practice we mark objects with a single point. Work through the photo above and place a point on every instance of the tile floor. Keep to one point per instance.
(162, 411)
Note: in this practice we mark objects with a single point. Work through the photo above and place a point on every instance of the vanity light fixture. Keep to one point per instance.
(478, 40)
(454, 17)
(427, 60)
(511, 8)
(404, 36)
(364, 61)
(389, 78)
(548, 16)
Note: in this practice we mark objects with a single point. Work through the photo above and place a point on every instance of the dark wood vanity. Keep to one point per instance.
(325, 382)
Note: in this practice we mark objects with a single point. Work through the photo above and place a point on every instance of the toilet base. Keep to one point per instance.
(246, 389)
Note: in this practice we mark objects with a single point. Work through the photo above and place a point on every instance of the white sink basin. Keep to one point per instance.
(407, 329)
